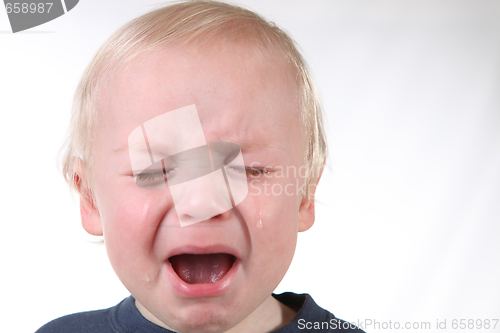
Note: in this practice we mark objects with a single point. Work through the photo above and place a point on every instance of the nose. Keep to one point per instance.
(201, 199)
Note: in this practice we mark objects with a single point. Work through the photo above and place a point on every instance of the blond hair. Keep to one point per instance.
(194, 22)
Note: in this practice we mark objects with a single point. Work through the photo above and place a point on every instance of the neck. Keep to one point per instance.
(268, 317)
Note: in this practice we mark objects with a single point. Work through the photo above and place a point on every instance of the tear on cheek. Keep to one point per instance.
(202, 268)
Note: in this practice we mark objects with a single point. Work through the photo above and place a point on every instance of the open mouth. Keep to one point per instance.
(202, 268)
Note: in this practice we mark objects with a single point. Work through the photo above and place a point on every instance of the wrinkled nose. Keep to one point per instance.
(201, 199)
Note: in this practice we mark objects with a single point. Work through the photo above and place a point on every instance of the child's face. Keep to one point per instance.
(239, 100)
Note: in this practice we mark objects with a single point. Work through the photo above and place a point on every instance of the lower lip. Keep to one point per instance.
(202, 289)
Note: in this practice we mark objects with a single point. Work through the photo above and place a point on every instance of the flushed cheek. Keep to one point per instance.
(129, 232)
(278, 213)
(274, 242)
(130, 218)
(133, 212)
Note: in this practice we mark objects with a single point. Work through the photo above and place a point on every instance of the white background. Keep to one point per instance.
(408, 217)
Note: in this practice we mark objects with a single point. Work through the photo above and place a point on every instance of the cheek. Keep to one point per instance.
(131, 218)
(276, 237)
(277, 200)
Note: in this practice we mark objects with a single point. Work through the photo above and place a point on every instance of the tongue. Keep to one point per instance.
(202, 268)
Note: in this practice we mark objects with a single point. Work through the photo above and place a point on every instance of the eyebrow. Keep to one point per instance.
(260, 145)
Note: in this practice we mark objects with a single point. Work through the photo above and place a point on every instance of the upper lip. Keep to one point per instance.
(196, 249)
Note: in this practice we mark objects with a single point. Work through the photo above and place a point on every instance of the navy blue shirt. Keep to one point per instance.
(125, 318)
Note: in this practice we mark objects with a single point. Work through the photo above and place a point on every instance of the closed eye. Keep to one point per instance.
(150, 176)
(250, 172)
(152, 179)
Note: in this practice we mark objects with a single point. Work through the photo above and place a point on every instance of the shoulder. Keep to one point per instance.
(83, 322)
(311, 317)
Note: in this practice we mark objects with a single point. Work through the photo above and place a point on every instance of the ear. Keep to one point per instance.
(91, 219)
(307, 212)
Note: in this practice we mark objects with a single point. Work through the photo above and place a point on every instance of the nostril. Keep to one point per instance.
(187, 219)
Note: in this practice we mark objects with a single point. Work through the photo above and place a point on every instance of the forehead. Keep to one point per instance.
(240, 95)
